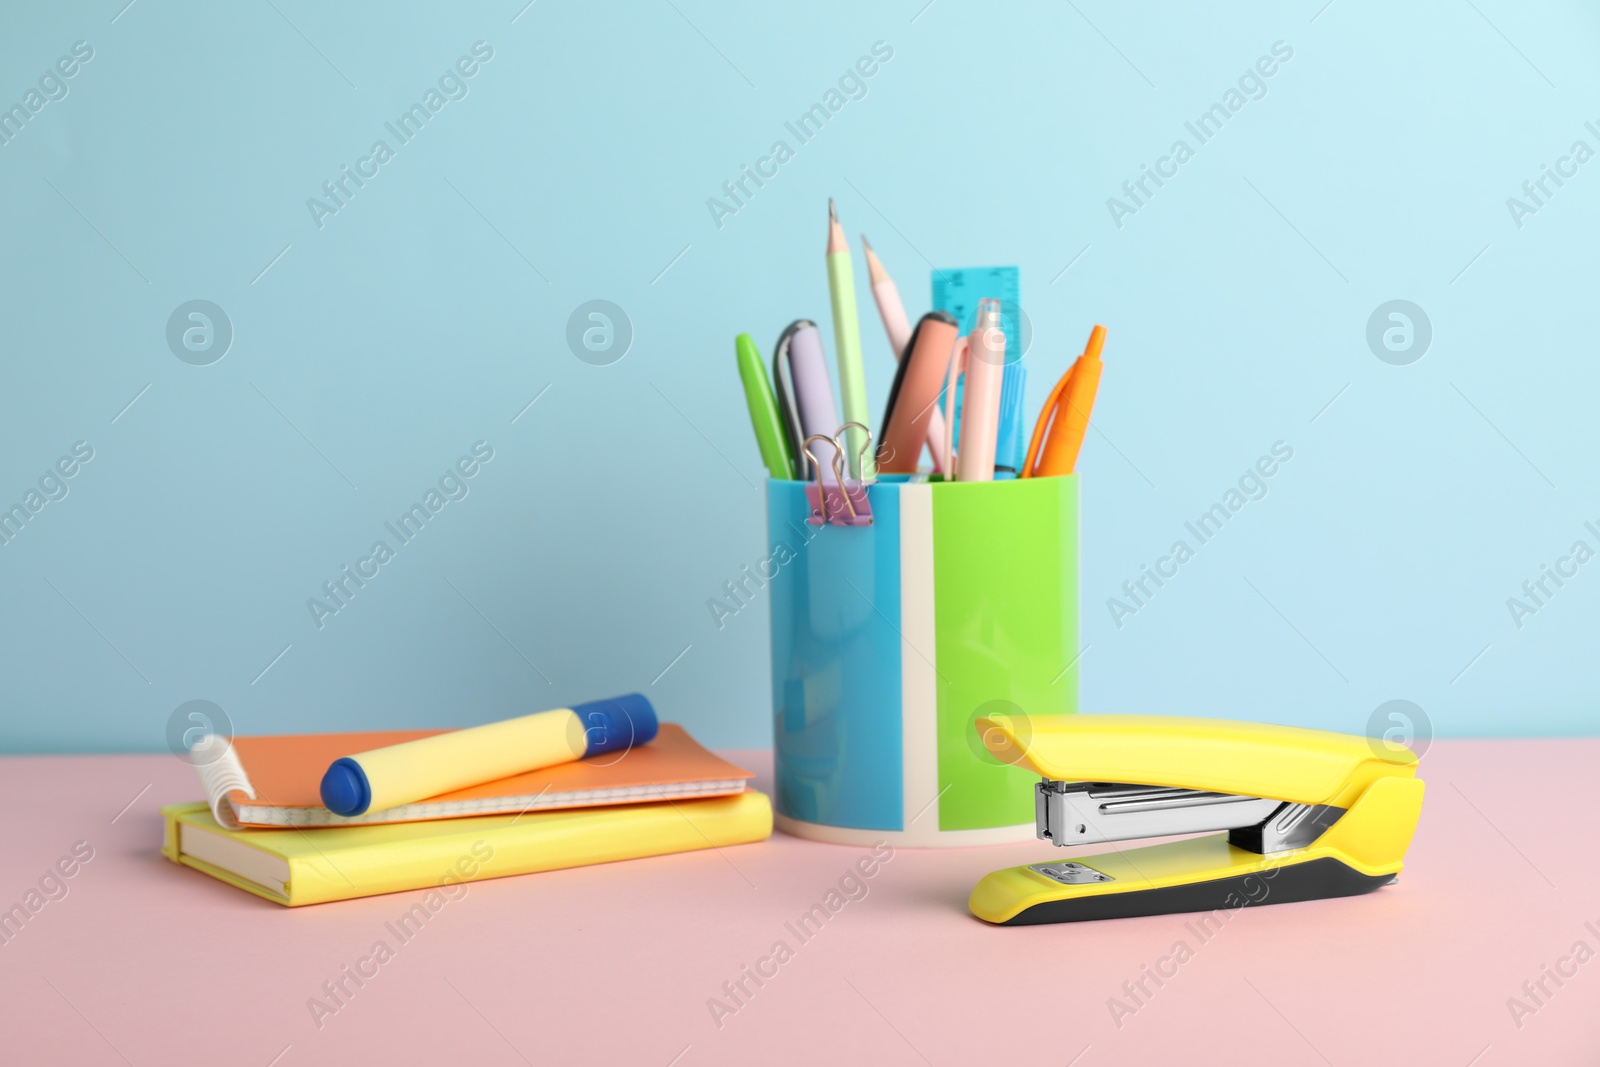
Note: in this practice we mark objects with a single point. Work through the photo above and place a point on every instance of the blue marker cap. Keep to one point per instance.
(1011, 443)
(617, 724)
(344, 788)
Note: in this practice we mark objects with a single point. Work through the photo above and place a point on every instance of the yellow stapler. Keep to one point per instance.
(1308, 814)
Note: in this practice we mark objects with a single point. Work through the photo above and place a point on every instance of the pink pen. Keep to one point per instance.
(980, 403)
(895, 324)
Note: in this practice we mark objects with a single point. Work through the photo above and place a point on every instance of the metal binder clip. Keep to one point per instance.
(842, 503)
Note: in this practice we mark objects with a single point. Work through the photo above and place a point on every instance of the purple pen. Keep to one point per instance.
(798, 359)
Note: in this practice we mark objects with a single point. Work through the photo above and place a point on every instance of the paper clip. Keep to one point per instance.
(845, 502)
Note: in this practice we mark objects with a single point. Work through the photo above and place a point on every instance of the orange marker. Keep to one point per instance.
(1058, 435)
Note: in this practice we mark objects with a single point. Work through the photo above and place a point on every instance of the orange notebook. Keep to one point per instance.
(276, 781)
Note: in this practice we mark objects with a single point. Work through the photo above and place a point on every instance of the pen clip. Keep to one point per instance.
(952, 375)
(1047, 418)
(895, 386)
(783, 387)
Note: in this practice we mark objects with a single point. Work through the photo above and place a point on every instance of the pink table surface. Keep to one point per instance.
(144, 962)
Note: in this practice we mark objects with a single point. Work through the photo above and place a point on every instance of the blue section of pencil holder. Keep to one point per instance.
(835, 618)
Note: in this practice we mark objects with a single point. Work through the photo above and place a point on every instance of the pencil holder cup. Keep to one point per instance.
(891, 639)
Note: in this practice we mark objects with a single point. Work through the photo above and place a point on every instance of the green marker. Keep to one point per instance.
(770, 435)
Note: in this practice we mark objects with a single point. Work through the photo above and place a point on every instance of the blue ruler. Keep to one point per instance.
(958, 292)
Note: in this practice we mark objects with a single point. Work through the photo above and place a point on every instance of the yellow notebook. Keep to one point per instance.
(296, 867)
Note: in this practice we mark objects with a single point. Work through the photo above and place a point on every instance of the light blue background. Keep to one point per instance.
(378, 348)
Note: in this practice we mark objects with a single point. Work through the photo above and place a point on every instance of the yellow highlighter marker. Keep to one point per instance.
(416, 770)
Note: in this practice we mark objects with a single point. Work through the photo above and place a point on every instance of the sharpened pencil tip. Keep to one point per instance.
(833, 216)
(875, 270)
